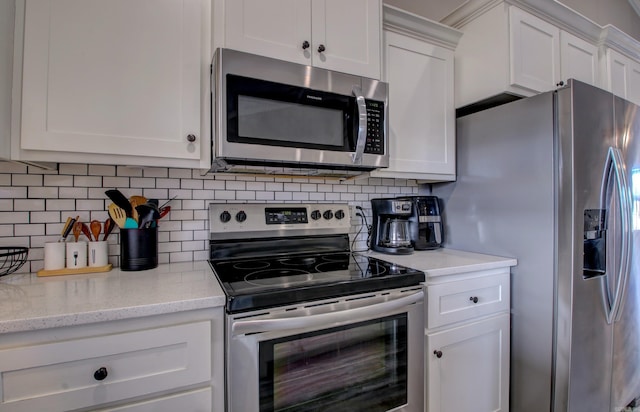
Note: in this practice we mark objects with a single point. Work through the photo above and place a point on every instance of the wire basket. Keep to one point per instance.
(12, 259)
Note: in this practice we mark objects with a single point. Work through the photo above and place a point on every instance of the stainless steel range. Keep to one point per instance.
(309, 325)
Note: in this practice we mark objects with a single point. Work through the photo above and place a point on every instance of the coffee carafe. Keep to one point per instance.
(390, 230)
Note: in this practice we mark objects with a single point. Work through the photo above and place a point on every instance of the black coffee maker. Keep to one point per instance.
(390, 230)
(425, 222)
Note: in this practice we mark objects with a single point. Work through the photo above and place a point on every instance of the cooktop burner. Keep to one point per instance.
(267, 282)
(268, 255)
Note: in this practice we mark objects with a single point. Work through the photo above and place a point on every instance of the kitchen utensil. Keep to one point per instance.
(77, 230)
(147, 215)
(67, 228)
(86, 231)
(167, 202)
(96, 227)
(121, 201)
(164, 211)
(12, 258)
(118, 215)
(137, 200)
(108, 227)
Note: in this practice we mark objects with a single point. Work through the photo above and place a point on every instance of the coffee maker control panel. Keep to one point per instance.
(401, 207)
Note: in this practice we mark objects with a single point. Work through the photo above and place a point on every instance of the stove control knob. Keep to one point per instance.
(225, 217)
(315, 215)
(241, 216)
(339, 214)
(328, 214)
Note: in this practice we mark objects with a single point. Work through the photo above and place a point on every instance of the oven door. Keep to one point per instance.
(362, 353)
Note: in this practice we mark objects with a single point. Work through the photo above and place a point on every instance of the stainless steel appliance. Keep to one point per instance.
(269, 112)
(553, 180)
(390, 231)
(425, 222)
(309, 325)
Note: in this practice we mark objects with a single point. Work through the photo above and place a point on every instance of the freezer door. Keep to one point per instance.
(583, 335)
(626, 339)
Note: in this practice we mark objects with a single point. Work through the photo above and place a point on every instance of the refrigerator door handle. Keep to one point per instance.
(616, 165)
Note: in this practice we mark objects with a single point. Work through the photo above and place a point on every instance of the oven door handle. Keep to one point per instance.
(325, 319)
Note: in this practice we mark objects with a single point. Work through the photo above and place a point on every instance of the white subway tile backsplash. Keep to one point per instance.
(29, 204)
(27, 180)
(73, 192)
(73, 169)
(115, 182)
(44, 217)
(13, 192)
(102, 170)
(6, 205)
(34, 203)
(87, 181)
(14, 217)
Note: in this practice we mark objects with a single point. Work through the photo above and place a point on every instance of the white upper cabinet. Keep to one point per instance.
(332, 34)
(128, 79)
(579, 59)
(534, 54)
(622, 76)
(419, 70)
(508, 50)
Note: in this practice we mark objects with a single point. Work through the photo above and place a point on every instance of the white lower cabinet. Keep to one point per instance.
(467, 343)
(468, 367)
(135, 365)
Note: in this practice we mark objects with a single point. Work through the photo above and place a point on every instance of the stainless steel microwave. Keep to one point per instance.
(273, 113)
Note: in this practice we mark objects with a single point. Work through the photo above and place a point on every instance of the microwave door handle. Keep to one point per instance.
(356, 157)
(325, 319)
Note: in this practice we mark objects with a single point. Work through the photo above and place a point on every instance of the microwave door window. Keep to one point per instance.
(289, 124)
(262, 112)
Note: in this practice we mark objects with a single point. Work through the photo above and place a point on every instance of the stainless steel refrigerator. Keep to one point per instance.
(554, 181)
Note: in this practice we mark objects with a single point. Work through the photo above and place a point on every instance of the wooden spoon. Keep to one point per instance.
(96, 228)
(77, 230)
(108, 227)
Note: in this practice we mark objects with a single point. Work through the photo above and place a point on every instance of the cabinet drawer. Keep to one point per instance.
(466, 299)
(60, 376)
(193, 401)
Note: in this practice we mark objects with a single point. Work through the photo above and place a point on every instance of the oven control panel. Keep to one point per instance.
(265, 219)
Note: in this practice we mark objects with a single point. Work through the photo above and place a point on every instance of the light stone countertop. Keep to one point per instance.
(443, 262)
(29, 302)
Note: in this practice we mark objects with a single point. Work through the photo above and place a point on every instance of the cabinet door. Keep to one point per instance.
(534, 52)
(579, 59)
(468, 367)
(421, 113)
(275, 28)
(623, 76)
(120, 77)
(349, 32)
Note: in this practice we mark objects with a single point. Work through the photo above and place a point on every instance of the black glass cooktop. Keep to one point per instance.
(257, 283)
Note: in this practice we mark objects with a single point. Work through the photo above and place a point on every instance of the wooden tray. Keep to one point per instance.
(79, 271)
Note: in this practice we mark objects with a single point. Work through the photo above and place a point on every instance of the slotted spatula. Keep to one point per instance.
(117, 214)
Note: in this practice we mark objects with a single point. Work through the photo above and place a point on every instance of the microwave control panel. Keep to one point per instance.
(375, 127)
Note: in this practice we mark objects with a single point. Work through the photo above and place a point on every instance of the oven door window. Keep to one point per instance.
(274, 114)
(358, 367)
